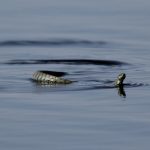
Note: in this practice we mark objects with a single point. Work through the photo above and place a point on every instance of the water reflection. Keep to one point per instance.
(121, 91)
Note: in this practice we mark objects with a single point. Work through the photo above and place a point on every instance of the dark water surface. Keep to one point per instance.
(91, 42)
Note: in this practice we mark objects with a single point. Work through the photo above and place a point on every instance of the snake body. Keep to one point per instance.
(50, 77)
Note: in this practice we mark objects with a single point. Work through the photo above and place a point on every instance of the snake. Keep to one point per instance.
(54, 77)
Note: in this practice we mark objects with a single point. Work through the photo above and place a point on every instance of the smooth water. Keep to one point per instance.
(92, 42)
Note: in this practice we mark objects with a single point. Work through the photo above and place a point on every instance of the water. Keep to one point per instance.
(75, 37)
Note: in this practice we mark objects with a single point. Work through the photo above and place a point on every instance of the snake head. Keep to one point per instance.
(120, 79)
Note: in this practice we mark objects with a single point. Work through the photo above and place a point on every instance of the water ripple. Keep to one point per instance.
(66, 61)
(62, 42)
